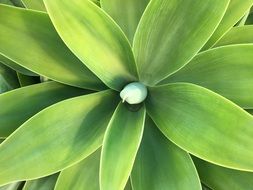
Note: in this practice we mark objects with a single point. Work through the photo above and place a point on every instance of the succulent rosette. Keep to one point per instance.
(141, 94)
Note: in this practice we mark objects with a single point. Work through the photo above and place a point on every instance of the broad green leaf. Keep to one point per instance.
(225, 70)
(46, 54)
(237, 35)
(218, 177)
(57, 137)
(171, 32)
(19, 105)
(203, 123)
(120, 146)
(15, 66)
(83, 175)
(45, 183)
(25, 80)
(95, 39)
(8, 79)
(126, 13)
(161, 165)
(235, 11)
(12, 186)
(34, 4)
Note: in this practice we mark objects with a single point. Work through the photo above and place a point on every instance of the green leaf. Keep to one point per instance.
(237, 35)
(170, 33)
(25, 80)
(15, 66)
(203, 123)
(19, 105)
(8, 79)
(169, 166)
(235, 11)
(18, 3)
(226, 70)
(128, 185)
(12, 186)
(83, 175)
(126, 13)
(57, 137)
(218, 177)
(95, 39)
(34, 4)
(250, 111)
(46, 54)
(120, 146)
(45, 183)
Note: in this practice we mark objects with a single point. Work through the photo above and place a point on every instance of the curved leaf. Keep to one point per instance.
(235, 11)
(126, 13)
(237, 35)
(8, 79)
(46, 54)
(83, 175)
(19, 105)
(170, 33)
(57, 137)
(203, 123)
(95, 39)
(15, 66)
(34, 4)
(120, 146)
(218, 177)
(45, 183)
(169, 166)
(225, 70)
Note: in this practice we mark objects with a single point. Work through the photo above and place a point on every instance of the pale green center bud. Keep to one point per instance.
(134, 93)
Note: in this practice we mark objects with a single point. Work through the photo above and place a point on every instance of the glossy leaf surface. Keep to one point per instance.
(126, 13)
(203, 123)
(235, 11)
(170, 33)
(218, 177)
(57, 137)
(19, 105)
(225, 70)
(46, 54)
(95, 39)
(120, 146)
(161, 165)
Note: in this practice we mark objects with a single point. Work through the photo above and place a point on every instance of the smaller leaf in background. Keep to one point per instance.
(18, 3)
(12, 186)
(161, 165)
(25, 80)
(235, 11)
(34, 4)
(121, 142)
(8, 79)
(6, 2)
(126, 13)
(217, 177)
(45, 183)
(237, 35)
(83, 175)
(249, 20)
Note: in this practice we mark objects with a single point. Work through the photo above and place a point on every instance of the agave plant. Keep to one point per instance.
(137, 86)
